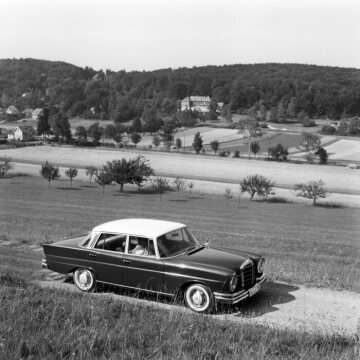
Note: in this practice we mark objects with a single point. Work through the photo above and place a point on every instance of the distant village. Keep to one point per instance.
(22, 132)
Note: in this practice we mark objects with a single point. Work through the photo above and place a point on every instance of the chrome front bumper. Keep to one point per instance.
(242, 294)
(44, 264)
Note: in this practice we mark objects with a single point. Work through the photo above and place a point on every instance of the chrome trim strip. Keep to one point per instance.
(136, 288)
(240, 295)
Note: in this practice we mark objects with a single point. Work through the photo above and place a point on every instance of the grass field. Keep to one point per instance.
(307, 245)
(337, 179)
(57, 325)
(312, 246)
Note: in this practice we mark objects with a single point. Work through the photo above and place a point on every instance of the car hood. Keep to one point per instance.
(227, 259)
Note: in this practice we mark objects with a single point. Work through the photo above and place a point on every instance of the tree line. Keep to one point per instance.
(285, 91)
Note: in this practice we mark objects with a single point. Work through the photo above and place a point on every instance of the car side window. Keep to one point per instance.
(141, 246)
(111, 242)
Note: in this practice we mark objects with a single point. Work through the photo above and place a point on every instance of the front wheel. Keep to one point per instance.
(84, 279)
(199, 298)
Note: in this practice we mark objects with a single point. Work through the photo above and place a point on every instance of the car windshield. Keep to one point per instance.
(176, 242)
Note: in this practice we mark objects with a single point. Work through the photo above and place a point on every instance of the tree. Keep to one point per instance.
(197, 144)
(249, 128)
(109, 131)
(143, 171)
(71, 173)
(226, 113)
(228, 195)
(137, 125)
(291, 109)
(61, 127)
(121, 171)
(90, 171)
(49, 172)
(278, 152)
(190, 186)
(43, 126)
(214, 146)
(178, 143)
(135, 138)
(132, 171)
(255, 147)
(80, 132)
(95, 131)
(310, 142)
(103, 178)
(6, 165)
(180, 184)
(256, 184)
(312, 190)
(322, 154)
(156, 140)
(160, 185)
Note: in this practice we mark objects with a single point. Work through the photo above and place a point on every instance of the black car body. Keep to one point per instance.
(157, 256)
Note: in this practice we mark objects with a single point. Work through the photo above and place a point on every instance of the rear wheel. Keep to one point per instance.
(199, 298)
(84, 279)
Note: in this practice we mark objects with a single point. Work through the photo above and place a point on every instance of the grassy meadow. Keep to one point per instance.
(313, 246)
(43, 324)
(316, 246)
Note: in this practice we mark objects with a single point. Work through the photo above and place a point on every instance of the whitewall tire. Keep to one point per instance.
(84, 279)
(199, 298)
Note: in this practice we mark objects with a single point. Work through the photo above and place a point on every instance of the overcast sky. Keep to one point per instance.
(153, 34)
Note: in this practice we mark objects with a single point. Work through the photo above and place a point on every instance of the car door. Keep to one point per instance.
(106, 258)
(143, 270)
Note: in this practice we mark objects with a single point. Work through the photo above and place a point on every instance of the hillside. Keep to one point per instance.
(319, 91)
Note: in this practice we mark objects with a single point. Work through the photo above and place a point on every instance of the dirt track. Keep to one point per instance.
(277, 305)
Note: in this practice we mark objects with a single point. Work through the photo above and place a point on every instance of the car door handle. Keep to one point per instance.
(93, 254)
(125, 261)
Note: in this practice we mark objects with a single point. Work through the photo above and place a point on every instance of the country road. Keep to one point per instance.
(278, 305)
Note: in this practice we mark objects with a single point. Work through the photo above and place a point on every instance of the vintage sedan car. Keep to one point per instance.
(157, 256)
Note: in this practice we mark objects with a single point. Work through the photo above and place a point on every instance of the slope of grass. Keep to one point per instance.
(39, 324)
(314, 246)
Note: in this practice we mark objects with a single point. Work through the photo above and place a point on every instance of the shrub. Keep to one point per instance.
(322, 154)
(223, 154)
(309, 123)
(236, 154)
(6, 165)
(328, 130)
(278, 152)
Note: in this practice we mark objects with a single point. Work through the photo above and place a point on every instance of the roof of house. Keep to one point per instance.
(197, 98)
(12, 110)
(142, 227)
(37, 111)
(26, 128)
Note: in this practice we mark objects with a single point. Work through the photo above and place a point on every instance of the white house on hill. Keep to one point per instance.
(198, 103)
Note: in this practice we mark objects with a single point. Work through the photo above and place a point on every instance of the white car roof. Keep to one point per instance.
(142, 227)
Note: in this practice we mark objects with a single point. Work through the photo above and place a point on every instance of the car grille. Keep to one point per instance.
(248, 274)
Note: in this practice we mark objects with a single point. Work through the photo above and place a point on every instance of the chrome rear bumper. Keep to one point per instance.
(242, 294)
(44, 264)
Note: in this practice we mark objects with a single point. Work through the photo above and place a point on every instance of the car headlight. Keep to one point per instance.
(260, 265)
(233, 282)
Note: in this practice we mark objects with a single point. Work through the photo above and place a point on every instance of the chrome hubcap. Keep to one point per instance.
(197, 298)
(83, 278)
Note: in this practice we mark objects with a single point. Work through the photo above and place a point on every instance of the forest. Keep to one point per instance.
(282, 90)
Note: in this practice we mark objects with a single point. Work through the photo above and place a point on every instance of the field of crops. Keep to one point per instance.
(337, 179)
